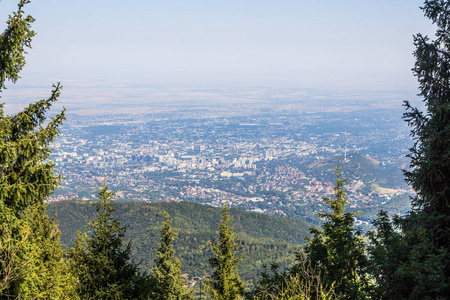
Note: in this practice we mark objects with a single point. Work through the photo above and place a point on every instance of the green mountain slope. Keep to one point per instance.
(264, 238)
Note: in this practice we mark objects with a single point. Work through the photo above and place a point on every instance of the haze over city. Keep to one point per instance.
(151, 49)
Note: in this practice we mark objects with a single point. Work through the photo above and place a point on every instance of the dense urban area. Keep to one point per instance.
(278, 162)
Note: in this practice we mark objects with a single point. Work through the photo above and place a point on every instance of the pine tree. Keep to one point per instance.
(225, 283)
(101, 261)
(338, 250)
(167, 271)
(423, 271)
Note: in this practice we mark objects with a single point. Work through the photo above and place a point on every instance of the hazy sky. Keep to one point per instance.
(332, 44)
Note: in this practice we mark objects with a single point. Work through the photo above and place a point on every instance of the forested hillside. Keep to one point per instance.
(264, 238)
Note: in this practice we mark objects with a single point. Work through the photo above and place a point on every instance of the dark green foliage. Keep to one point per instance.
(422, 268)
(270, 283)
(403, 260)
(225, 283)
(427, 227)
(337, 250)
(263, 238)
(386, 249)
(430, 156)
(101, 260)
(167, 271)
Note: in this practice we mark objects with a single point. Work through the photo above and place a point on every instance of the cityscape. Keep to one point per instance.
(269, 162)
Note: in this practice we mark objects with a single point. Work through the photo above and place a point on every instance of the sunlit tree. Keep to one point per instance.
(225, 283)
(31, 256)
(169, 285)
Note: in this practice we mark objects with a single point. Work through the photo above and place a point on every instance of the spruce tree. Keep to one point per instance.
(48, 275)
(31, 257)
(101, 260)
(387, 250)
(13, 41)
(14, 239)
(423, 271)
(26, 173)
(225, 283)
(428, 225)
(26, 180)
(27, 176)
(167, 271)
(337, 250)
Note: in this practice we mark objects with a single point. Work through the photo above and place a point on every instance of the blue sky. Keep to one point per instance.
(323, 44)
